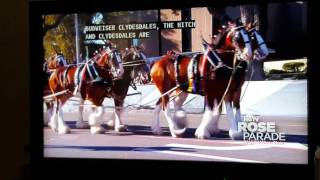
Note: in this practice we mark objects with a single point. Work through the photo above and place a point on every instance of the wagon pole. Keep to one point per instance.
(46, 98)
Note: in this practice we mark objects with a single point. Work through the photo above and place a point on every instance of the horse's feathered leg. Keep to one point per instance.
(234, 119)
(53, 124)
(62, 127)
(53, 85)
(209, 123)
(48, 112)
(202, 131)
(118, 125)
(80, 123)
(213, 127)
(175, 132)
(95, 121)
(231, 118)
(111, 122)
(155, 127)
(179, 114)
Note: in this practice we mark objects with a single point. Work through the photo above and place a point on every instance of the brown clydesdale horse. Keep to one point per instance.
(73, 78)
(212, 82)
(50, 65)
(132, 59)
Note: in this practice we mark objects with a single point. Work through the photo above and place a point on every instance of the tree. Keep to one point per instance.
(276, 71)
(51, 22)
(59, 35)
(295, 67)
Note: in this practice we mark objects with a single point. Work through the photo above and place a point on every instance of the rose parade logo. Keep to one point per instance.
(253, 130)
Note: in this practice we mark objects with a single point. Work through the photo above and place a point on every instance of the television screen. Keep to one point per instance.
(194, 84)
(218, 84)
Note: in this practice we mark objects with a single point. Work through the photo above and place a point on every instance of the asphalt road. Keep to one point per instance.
(140, 143)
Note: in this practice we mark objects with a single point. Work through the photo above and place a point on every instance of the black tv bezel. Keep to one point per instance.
(222, 169)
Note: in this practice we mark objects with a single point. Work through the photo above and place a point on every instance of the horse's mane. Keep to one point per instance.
(103, 57)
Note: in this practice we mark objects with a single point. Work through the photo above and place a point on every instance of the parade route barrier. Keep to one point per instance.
(274, 98)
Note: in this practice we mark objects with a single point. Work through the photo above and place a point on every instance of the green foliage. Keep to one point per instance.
(290, 70)
(60, 37)
(293, 67)
(275, 71)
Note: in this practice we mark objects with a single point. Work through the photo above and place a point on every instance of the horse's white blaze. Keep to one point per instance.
(155, 126)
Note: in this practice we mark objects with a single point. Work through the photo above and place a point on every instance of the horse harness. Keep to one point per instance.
(196, 75)
(79, 76)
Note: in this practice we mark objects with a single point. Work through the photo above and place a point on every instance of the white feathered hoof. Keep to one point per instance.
(53, 125)
(110, 123)
(64, 130)
(121, 128)
(82, 125)
(235, 135)
(178, 132)
(202, 134)
(180, 119)
(97, 130)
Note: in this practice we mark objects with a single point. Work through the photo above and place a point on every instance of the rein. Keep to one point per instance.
(230, 79)
(251, 75)
(131, 62)
(129, 65)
